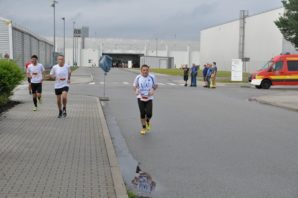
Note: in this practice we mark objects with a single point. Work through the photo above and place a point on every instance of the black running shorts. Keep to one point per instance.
(60, 90)
(36, 87)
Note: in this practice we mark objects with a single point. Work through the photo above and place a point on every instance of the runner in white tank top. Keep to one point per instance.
(61, 73)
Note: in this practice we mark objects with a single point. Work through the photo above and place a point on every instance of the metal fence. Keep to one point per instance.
(20, 44)
(26, 44)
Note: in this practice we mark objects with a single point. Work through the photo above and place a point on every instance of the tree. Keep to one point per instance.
(288, 23)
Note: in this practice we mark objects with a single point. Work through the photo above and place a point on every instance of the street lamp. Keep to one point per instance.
(63, 35)
(73, 59)
(54, 5)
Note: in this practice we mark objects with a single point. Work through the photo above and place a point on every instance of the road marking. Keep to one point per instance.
(127, 83)
(92, 83)
(172, 84)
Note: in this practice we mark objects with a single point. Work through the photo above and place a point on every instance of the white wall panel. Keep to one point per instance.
(220, 44)
(263, 40)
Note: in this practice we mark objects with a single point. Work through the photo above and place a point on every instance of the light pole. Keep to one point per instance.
(63, 35)
(156, 47)
(73, 43)
(54, 5)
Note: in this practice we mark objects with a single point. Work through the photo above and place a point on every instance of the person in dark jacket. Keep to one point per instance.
(185, 74)
(194, 73)
(208, 76)
(205, 75)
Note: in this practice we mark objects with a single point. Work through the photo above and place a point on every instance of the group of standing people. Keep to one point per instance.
(209, 75)
(193, 73)
(61, 73)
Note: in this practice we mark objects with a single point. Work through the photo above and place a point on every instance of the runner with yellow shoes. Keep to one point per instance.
(144, 86)
(35, 74)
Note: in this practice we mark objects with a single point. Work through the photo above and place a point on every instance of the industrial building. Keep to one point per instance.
(21, 43)
(255, 39)
(87, 51)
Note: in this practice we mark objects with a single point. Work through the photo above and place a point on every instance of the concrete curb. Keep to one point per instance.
(118, 181)
(265, 102)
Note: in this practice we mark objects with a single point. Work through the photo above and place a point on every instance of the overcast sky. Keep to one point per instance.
(130, 18)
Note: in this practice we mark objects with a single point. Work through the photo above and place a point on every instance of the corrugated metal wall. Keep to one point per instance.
(34, 46)
(27, 47)
(4, 38)
(49, 49)
(42, 51)
(18, 47)
(25, 44)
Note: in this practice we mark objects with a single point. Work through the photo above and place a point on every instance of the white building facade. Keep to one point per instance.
(263, 40)
(183, 52)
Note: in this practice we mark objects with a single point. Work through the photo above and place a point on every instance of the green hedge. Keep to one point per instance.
(10, 76)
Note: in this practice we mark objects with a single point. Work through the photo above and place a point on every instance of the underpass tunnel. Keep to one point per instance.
(125, 60)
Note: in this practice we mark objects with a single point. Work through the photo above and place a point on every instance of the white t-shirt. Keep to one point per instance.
(144, 85)
(35, 71)
(61, 75)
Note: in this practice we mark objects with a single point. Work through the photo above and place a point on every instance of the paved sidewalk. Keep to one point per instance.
(43, 156)
(287, 101)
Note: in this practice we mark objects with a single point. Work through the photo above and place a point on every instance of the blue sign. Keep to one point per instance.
(105, 62)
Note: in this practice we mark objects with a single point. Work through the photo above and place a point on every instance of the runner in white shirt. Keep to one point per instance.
(144, 86)
(61, 73)
(35, 73)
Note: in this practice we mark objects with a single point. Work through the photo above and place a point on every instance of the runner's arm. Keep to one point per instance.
(28, 73)
(135, 86)
(155, 86)
(42, 72)
(69, 75)
(52, 74)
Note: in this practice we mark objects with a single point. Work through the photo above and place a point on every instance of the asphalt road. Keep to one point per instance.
(206, 143)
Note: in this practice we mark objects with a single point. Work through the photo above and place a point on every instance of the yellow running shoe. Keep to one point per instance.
(148, 126)
(143, 131)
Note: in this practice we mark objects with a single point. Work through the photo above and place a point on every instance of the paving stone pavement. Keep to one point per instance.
(43, 156)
